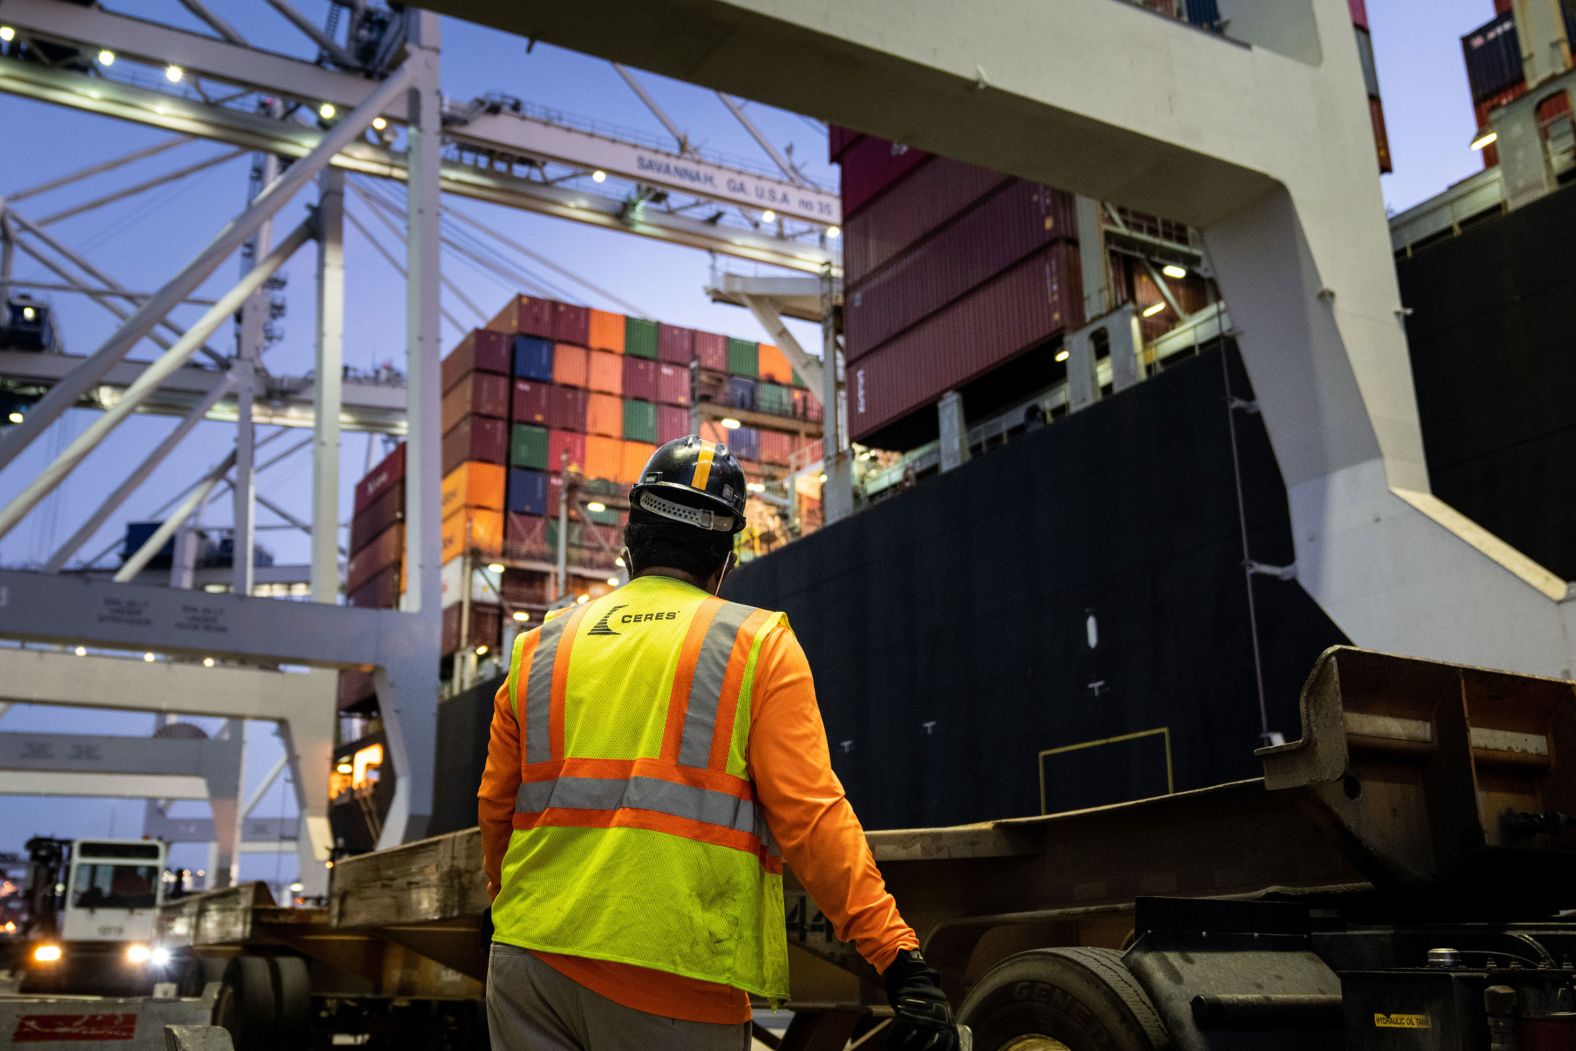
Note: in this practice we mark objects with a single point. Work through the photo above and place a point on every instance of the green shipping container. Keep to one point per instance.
(607, 517)
(744, 358)
(528, 446)
(773, 398)
(640, 421)
(640, 337)
(552, 533)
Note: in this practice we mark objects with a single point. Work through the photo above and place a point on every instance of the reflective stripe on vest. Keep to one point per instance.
(576, 791)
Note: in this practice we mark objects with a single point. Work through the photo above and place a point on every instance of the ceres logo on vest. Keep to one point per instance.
(605, 625)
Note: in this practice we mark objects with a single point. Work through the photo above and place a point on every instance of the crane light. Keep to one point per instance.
(160, 956)
(327, 111)
(481, 651)
(521, 616)
(174, 74)
(768, 216)
(1062, 355)
(1171, 270)
(1151, 311)
(755, 487)
(495, 567)
(207, 662)
(582, 600)
(599, 176)
(138, 953)
(81, 651)
(378, 123)
(612, 582)
(28, 313)
(148, 657)
(731, 424)
(7, 34)
(833, 233)
(596, 506)
(106, 57)
(1485, 139)
(15, 417)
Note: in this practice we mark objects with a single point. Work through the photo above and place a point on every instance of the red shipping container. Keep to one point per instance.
(480, 351)
(356, 692)
(605, 372)
(377, 516)
(711, 350)
(870, 166)
(384, 551)
(566, 409)
(485, 624)
(673, 384)
(476, 438)
(525, 315)
(1021, 308)
(672, 422)
(775, 446)
(381, 591)
(640, 379)
(572, 324)
(558, 444)
(838, 139)
(675, 345)
(987, 239)
(524, 537)
(385, 474)
(569, 365)
(605, 415)
(936, 191)
(477, 394)
(1359, 12)
(1381, 134)
(530, 402)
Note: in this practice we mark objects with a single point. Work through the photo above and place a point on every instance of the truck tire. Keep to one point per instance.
(293, 995)
(1075, 999)
(246, 1005)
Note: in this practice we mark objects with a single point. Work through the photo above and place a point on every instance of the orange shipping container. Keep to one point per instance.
(604, 457)
(569, 365)
(472, 529)
(605, 371)
(473, 484)
(635, 456)
(774, 364)
(607, 331)
(712, 431)
(604, 415)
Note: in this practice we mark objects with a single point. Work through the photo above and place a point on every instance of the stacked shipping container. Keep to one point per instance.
(546, 388)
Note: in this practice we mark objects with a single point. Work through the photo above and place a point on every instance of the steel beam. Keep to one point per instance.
(145, 384)
(269, 201)
(328, 367)
(213, 21)
(162, 179)
(102, 786)
(769, 147)
(175, 521)
(679, 138)
(96, 169)
(321, 39)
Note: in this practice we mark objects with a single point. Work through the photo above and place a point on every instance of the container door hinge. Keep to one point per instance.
(1264, 569)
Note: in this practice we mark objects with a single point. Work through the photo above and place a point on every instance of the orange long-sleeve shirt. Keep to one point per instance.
(809, 815)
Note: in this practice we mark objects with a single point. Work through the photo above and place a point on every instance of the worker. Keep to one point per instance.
(656, 757)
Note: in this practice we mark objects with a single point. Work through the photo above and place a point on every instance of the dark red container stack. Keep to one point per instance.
(1492, 53)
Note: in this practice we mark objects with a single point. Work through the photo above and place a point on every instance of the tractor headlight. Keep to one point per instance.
(138, 953)
(46, 953)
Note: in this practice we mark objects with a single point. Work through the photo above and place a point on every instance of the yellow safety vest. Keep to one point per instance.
(637, 836)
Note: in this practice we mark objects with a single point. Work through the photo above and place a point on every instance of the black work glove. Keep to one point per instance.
(923, 1019)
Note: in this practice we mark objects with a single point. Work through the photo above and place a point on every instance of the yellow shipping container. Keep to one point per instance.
(472, 529)
(473, 484)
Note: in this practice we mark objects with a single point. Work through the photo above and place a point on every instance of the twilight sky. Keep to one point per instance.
(146, 239)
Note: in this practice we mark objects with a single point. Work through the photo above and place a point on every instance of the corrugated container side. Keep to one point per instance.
(528, 446)
(480, 351)
(640, 378)
(712, 352)
(746, 443)
(741, 392)
(604, 415)
(525, 537)
(773, 398)
(560, 443)
(672, 423)
(485, 626)
(566, 408)
(604, 457)
(1018, 309)
(389, 470)
(636, 456)
(529, 401)
(472, 484)
(571, 324)
(1493, 57)
(472, 529)
(605, 372)
(533, 358)
(640, 337)
(640, 421)
(673, 384)
(606, 331)
(477, 394)
(1381, 134)
(906, 213)
(382, 551)
(525, 315)
(975, 246)
(775, 447)
(838, 139)
(675, 344)
(569, 365)
(870, 166)
(774, 364)
(380, 591)
(476, 438)
(744, 358)
(806, 406)
(527, 491)
(1359, 12)
(377, 516)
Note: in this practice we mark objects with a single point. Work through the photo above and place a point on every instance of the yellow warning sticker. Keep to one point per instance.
(1399, 1021)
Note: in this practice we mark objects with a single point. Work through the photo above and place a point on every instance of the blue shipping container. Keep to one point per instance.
(745, 443)
(527, 491)
(533, 359)
(741, 392)
(1493, 57)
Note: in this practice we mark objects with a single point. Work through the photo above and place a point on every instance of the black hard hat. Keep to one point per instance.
(693, 481)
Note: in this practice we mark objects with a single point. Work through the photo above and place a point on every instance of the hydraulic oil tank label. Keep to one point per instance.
(1400, 1021)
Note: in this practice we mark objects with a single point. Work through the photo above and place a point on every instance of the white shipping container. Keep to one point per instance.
(485, 584)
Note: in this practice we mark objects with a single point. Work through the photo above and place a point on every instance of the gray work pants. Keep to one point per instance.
(532, 1007)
